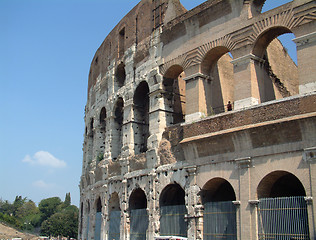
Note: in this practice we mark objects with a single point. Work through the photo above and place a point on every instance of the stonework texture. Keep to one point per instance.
(160, 134)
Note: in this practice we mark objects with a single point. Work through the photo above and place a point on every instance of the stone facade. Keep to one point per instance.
(158, 132)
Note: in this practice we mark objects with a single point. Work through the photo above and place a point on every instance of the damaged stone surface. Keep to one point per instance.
(158, 131)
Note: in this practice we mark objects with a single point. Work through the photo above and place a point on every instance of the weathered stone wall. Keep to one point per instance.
(157, 125)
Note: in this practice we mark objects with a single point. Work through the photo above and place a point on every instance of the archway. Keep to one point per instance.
(117, 133)
(172, 211)
(141, 117)
(120, 75)
(138, 215)
(276, 73)
(219, 210)
(281, 196)
(219, 89)
(114, 217)
(88, 220)
(81, 219)
(174, 95)
(103, 118)
(98, 220)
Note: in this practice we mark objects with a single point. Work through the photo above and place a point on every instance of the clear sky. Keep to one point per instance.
(46, 47)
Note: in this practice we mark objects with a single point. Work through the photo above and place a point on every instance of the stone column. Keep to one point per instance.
(194, 216)
(157, 121)
(306, 59)
(153, 209)
(197, 96)
(99, 141)
(246, 217)
(125, 218)
(309, 156)
(247, 92)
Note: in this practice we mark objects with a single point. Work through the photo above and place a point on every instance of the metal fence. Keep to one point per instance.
(283, 218)
(139, 224)
(114, 227)
(219, 221)
(97, 230)
(172, 222)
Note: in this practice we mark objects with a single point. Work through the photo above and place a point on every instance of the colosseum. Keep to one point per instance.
(199, 125)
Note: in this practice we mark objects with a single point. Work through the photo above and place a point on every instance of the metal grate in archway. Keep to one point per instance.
(139, 224)
(283, 218)
(114, 227)
(172, 222)
(219, 221)
(98, 222)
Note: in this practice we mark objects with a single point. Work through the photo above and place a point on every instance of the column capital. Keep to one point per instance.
(244, 162)
(246, 59)
(195, 76)
(309, 155)
(305, 39)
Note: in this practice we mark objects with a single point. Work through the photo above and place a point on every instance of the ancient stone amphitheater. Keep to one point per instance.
(199, 124)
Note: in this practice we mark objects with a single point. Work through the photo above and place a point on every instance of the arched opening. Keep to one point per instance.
(219, 87)
(281, 196)
(280, 184)
(120, 75)
(174, 95)
(91, 127)
(88, 219)
(172, 211)
(276, 72)
(81, 219)
(98, 220)
(138, 215)
(141, 117)
(114, 217)
(90, 142)
(103, 118)
(117, 133)
(219, 210)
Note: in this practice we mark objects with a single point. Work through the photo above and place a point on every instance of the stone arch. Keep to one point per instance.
(173, 211)
(217, 190)
(117, 131)
(81, 219)
(217, 66)
(98, 205)
(138, 214)
(114, 213)
(141, 117)
(98, 219)
(87, 210)
(120, 75)
(266, 37)
(102, 118)
(219, 210)
(174, 93)
(137, 199)
(281, 194)
(277, 74)
(114, 202)
(172, 194)
(280, 184)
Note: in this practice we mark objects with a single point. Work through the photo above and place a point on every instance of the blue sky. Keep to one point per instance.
(46, 47)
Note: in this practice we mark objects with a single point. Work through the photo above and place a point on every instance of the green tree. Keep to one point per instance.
(67, 201)
(64, 223)
(48, 207)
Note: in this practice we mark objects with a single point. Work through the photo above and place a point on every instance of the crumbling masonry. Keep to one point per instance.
(164, 157)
